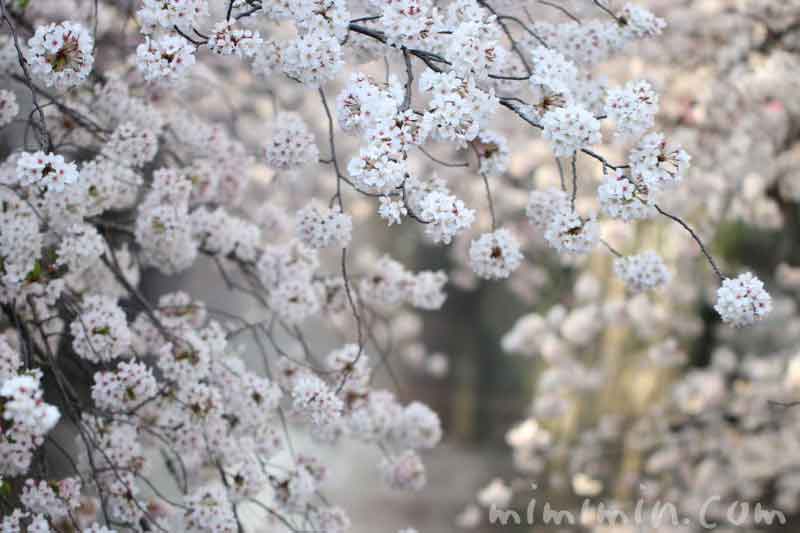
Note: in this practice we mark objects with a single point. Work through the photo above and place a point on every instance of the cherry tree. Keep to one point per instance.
(115, 173)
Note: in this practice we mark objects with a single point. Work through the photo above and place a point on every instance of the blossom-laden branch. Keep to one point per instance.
(129, 178)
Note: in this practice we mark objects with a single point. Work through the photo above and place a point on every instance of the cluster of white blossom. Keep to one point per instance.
(375, 170)
(658, 164)
(625, 197)
(313, 58)
(131, 146)
(126, 388)
(495, 255)
(18, 520)
(407, 22)
(220, 233)
(543, 205)
(26, 420)
(46, 171)
(587, 43)
(291, 144)
(445, 216)
(320, 227)
(365, 102)
(404, 472)
(288, 270)
(100, 332)
(390, 284)
(392, 211)
(20, 241)
(474, 49)
(55, 499)
(61, 55)
(8, 107)
(81, 246)
(375, 112)
(551, 70)
(315, 399)
(209, 510)
(458, 108)
(226, 39)
(640, 22)
(163, 226)
(570, 129)
(332, 16)
(570, 233)
(167, 58)
(155, 14)
(564, 229)
(10, 359)
(494, 153)
(632, 108)
(642, 272)
(107, 184)
(743, 300)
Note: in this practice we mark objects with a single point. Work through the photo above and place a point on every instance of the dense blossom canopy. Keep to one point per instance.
(119, 174)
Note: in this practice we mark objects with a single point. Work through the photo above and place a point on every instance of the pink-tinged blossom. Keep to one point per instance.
(61, 55)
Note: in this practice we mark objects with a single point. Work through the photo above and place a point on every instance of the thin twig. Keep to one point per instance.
(696, 239)
(562, 9)
(440, 162)
(611, 248)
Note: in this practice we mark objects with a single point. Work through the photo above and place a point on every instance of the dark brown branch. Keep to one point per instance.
(696, 239)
